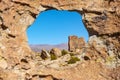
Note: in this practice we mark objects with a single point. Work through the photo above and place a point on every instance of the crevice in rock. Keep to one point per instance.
(21, 3)
(4, 27)
(91, 11)
(48, 7)
(6, 9)
(86, 58)
(111, 35)
(92, 31)
(24, 60)
(43, 76)
(1, 19)
(109, 1)
(33, 14)
(19, 13)
(11, 35)
(69, 4)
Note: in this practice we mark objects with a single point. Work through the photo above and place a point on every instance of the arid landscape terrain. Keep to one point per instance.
(97, 59)
(39, 47)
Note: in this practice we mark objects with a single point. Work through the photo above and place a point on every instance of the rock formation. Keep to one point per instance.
(75, 43)
(101, 18)
(56, 52)
(44, 54)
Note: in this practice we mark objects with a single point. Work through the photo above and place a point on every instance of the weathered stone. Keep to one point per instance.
(47, 78)
(102, 49)
(45, 54)
(25, 64)
(75, 43)
(56, 52)
(99, 46)
(7, 75)
(101, 18)
(36, 78)
(91, 69)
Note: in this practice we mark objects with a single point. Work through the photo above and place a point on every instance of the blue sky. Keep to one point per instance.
(54, 27)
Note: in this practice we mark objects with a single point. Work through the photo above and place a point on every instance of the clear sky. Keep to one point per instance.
(54, 27)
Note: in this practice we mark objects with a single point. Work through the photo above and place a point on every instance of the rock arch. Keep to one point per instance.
(99, 17)
(102, 18)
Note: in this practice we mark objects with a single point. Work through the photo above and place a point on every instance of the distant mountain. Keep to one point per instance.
(39, 47)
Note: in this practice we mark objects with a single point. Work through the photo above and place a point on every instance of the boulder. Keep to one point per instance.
(56, 52)
(44, 54)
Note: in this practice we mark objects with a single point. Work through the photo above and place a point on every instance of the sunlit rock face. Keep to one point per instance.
(101, 18)
(75, 43)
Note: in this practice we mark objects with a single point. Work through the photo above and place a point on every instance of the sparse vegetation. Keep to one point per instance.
(53, 57)
(73, 60)
(64, 52)
(71, 54)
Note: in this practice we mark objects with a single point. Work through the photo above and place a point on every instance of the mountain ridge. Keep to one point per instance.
(39, 47)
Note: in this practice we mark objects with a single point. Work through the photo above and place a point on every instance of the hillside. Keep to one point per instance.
(39, 47)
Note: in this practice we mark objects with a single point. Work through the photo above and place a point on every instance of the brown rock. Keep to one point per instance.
(36, 78)
(48, 78)
(45, 54)
(25, 64)
(101, 18)
(99, 46)
(75, 43)
(7, 75)
(56, 52)
(91, 69)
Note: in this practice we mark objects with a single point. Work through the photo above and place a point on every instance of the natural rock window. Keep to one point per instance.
(53, 27)
(99, 57)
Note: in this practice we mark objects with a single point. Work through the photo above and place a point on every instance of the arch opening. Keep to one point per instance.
(53, 27)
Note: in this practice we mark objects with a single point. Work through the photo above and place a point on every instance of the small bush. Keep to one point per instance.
(53, 57)
(71, 54)
(73, 60)
(64, 52)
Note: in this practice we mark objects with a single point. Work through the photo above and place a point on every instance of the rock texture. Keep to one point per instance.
(56, 52)
(75, 43)
(101, 18)
(44, 54)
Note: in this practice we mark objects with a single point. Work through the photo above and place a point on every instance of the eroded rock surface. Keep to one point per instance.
(75, 43)
(101, 18)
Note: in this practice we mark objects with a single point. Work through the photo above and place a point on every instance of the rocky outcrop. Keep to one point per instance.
(56, 52)
(101, 18)
(44, 54)
(75, 43)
